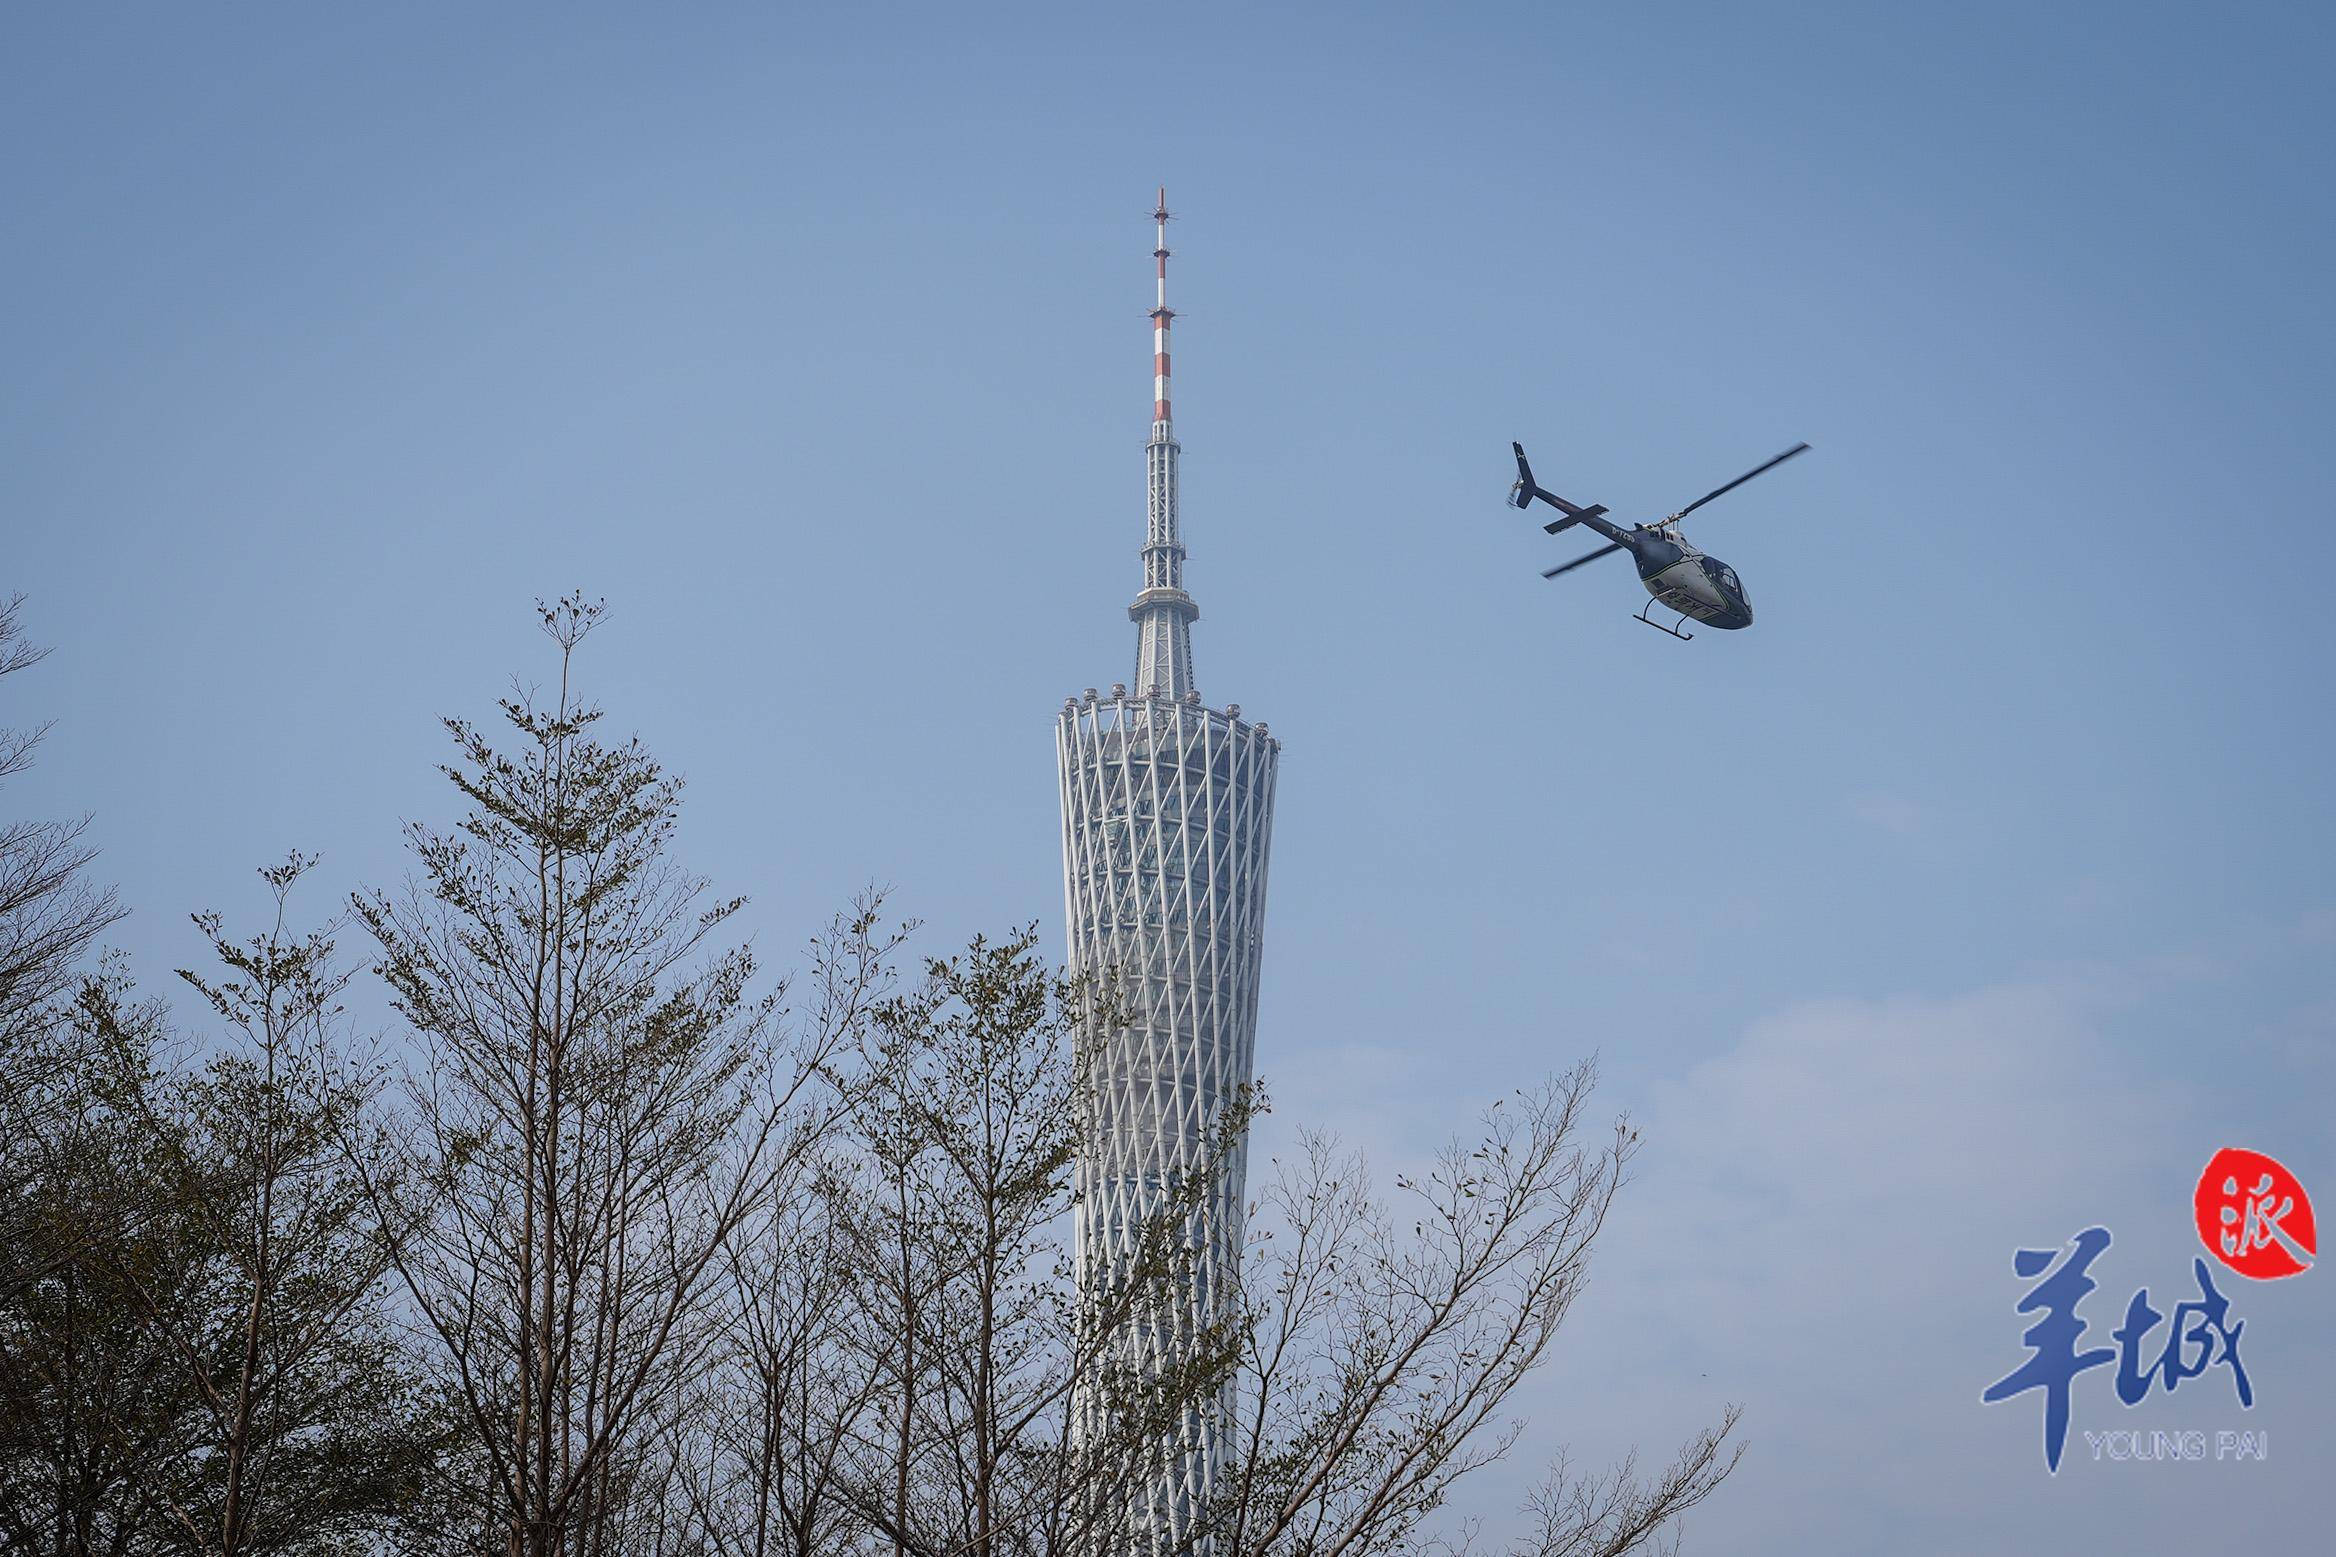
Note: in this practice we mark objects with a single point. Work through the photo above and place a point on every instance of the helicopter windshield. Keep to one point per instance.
(1723, 576)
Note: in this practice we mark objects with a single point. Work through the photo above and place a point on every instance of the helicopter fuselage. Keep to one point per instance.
(1687, 581)
(1698, 587)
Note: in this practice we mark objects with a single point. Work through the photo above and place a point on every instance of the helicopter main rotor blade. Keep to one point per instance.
(1757, 470)
(1578, 561)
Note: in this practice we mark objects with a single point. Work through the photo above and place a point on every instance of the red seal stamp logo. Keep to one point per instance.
(2254, 1216)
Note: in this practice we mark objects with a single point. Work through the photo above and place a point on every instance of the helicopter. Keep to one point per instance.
(1676, 574)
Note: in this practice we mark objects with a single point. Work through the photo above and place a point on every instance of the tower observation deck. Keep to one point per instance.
(1167, 820)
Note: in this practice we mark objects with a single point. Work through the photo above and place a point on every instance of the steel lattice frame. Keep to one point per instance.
(1167, 824)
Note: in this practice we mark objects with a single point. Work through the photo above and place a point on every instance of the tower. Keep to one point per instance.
(1167, 818)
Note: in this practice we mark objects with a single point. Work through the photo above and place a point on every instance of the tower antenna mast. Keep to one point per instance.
(1163, 613)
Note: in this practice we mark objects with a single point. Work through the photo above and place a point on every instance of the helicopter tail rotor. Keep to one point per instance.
(1521, 495)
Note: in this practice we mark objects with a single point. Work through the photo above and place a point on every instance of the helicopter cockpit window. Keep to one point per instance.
(1722, 575)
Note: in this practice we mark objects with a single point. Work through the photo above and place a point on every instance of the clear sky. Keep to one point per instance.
(1974, 895)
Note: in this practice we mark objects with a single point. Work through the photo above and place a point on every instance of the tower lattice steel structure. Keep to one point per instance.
(1167, 818)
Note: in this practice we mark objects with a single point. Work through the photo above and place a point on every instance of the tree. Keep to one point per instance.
(94, 1410)
(204, 1364)
(74, 1364)
(314, 1429)
(915, 1361)
(966, 1134)
(596, 1106)
(1379, 1357)
(764, 1460)
(51, 914)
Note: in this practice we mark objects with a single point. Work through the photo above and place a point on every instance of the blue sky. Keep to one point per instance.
(1990, 869)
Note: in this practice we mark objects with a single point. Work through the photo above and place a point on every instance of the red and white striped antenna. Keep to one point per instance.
(1161, 314)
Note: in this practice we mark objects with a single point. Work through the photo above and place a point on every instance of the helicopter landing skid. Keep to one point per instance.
(1659, 627)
